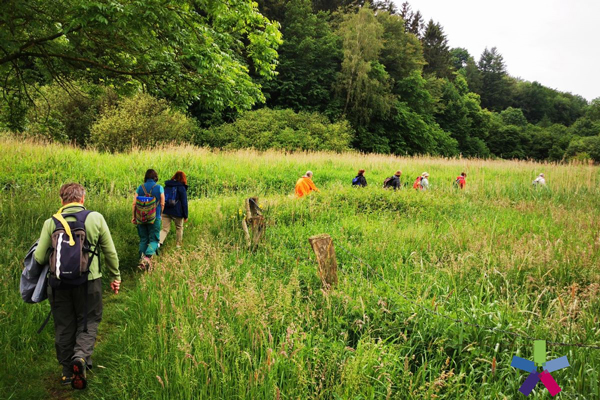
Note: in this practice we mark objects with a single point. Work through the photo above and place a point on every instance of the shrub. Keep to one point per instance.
(582, 148)
(66, 114)
(140, 121)
(279, 129)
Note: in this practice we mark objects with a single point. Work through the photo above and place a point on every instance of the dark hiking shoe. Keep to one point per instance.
(66, 380)
(78, 381)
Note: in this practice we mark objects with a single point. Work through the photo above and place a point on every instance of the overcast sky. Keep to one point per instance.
(554, 42)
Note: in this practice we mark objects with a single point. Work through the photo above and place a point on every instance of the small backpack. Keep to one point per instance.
(387, 182)
(71, 253)
(145, 208)
(171, 196)
(356, 181)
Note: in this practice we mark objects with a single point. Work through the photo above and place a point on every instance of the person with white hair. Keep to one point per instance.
(424, 181)
(305, 185)
(540, 180)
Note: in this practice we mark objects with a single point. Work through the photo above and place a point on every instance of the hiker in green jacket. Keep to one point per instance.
(76, 308)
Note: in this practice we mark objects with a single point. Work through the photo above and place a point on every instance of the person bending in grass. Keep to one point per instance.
(461, 181)
(176, 207)
(76, 304)
(393, 181)
(539, 181)
(305, 185)
(148, 223)
(360, 180)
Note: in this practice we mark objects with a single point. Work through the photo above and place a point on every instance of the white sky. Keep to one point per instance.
(554, 42)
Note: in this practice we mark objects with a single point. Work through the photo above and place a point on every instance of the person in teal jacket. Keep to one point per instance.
(149, 233)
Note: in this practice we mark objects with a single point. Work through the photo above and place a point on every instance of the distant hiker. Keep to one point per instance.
(424, 181)
(148, 203)
(305, 185)
(71, 242)
(461, 181)
(176, 207)
(417, 184)
(539, 181)
(393, 181)
(360, 180)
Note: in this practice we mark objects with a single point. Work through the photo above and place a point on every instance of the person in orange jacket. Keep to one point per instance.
(305, 185)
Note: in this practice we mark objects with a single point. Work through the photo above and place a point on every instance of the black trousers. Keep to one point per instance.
(68, 309)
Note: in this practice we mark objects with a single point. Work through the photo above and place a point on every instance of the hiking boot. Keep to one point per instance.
(66, 380)
(79, 367)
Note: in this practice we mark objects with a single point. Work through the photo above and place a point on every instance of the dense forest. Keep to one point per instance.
(291, 74)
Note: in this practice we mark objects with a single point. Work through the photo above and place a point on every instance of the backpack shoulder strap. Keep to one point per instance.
(149, 192)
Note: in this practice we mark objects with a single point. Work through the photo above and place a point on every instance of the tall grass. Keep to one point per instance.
(217, 321)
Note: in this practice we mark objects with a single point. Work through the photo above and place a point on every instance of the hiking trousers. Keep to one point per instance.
(68, 309)
(166, 227)
(149, 237)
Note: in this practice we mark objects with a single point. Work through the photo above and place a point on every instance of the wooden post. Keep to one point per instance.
(323, 248)
(254, 222)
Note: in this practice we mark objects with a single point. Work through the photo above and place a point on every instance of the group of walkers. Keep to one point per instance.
(154, 208)
(64, 264)
(305, 184)
(394, 182)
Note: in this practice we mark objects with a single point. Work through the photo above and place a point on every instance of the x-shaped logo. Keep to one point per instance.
(539, 359)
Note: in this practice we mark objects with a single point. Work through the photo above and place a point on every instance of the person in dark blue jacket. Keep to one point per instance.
(176, 207)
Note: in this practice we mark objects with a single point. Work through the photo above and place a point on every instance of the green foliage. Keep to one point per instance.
(436, 51)
(590, 146)
(585, 127)
(363, 82)
(185, 50)
(279, 129)
(65, 114)
(140, 121)
(593, 111)
(402, 52)
(459, 57)
(421, 137)
(508, 141)
(309, 60)
(495, 86)
(513, 116)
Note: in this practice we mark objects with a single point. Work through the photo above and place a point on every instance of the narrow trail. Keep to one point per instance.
(110, 323)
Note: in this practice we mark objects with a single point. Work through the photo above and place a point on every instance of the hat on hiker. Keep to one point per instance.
(425, 174)
(361, 171)
(398, 173)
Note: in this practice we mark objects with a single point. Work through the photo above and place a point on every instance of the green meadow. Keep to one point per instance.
(217, 321)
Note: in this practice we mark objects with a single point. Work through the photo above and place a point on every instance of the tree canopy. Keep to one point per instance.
(181, 50)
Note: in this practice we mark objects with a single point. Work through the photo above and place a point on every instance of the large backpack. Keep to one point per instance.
(387, 182)
(171, 196)
(145, 207)
(417, 184)
(71, 253)
(356, 181)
